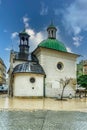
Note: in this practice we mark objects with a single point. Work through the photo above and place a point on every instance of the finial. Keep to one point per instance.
(24, 29)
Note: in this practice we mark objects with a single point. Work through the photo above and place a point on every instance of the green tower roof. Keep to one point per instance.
(51, 26)
(53, 44)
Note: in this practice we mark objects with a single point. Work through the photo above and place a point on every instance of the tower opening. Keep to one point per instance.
(24, 45)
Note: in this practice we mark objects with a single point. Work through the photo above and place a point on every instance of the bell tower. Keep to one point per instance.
(24, 45)
(51, 31)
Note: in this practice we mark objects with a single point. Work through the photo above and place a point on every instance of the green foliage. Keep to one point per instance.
(82, 81)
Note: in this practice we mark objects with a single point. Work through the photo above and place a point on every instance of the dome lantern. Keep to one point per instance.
(51, 31)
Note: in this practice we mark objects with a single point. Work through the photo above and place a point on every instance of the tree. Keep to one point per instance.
(82, 81)
(64, 84)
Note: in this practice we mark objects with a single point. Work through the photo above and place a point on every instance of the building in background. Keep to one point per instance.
(39, 73)
(2, 73)
(85, 67)
(82, 68)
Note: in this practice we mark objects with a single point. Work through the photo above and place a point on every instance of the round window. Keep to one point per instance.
(32, 80)
(60, 66)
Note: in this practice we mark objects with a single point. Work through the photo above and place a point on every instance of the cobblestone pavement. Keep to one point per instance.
(42, 120)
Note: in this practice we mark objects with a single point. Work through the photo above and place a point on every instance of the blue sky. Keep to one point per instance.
(69, 16)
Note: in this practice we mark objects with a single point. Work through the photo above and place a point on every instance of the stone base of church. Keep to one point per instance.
(30, 97)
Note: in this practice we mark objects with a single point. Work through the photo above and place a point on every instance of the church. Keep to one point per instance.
(38, 74)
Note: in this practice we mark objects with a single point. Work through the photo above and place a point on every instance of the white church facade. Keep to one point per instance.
(38, 74)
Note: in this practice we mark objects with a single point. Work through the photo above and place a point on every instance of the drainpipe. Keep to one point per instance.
(44, 87)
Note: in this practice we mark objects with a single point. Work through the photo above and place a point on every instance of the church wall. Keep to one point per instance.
(48, 60)
(22, 86)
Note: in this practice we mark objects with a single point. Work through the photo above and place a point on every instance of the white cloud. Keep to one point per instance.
(40, 36)
(75, 16)
(14, 35)
(77, 40)
(7, 49)
(35, 38)
(77, 30)
(76, 43)
(44, 9)
(25, 21)
(69, 49)
(30, 31)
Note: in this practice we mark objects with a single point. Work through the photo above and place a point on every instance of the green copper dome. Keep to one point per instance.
(53, 44)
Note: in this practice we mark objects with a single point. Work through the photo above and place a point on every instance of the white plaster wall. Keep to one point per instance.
(49, 59)
(23, 86)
